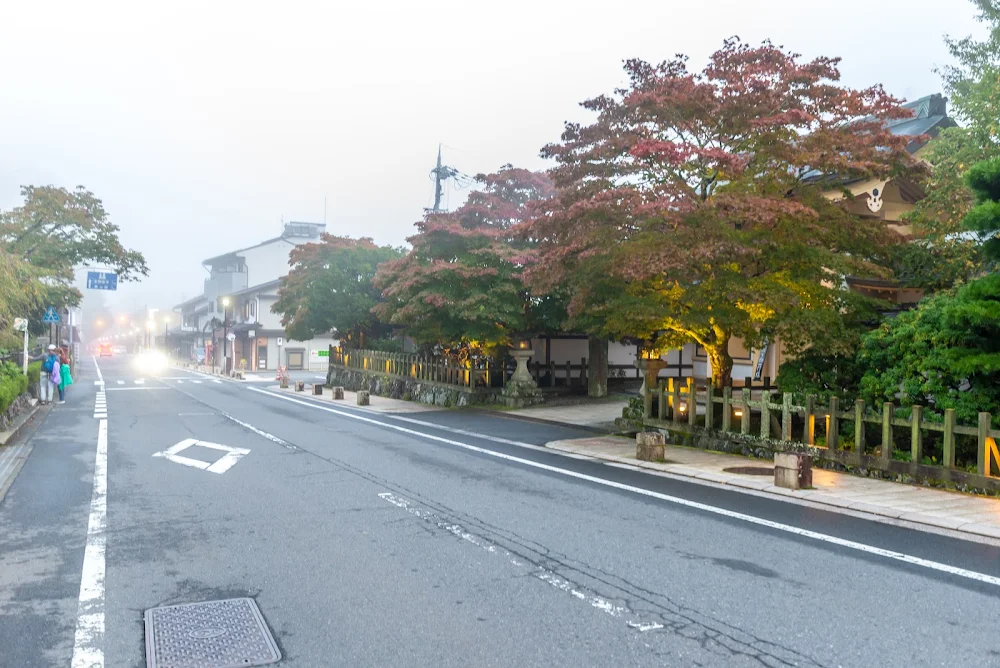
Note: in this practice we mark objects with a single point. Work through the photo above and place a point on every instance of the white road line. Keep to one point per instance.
(226, 462)
(180, 381)
(121, 382)
(143, 387)
(100, 376)
(219, 382)
(751, 519)
(270, 437)
(196, 382)
(88, 644)
(140, 382)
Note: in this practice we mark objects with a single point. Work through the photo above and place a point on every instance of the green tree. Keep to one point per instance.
(984, 218)
(462, 281)
(44, 240)
(695, 208)
(330, 288)
(972, 83)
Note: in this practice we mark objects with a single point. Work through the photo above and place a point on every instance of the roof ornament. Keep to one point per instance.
(875, 199)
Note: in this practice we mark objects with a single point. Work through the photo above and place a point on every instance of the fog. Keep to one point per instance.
(203, 125)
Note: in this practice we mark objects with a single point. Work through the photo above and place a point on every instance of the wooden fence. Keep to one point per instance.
(438, 370)
(679, 402)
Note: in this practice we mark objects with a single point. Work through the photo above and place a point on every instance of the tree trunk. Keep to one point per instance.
(722, 363)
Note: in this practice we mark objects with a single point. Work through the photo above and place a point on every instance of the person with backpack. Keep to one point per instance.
(65, 378)
(50, 367)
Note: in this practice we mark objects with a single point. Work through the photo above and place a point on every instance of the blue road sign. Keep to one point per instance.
(102, 280)
(51, 317)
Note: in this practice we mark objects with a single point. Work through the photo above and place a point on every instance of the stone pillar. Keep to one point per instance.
(521, 390)
(597, 367)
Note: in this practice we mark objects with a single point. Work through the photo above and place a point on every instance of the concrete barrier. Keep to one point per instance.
(317, 390)
(336, 393)
(363, 398)
(792, 470)
(300, 385)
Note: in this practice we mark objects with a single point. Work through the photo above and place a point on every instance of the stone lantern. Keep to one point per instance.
(521, 390)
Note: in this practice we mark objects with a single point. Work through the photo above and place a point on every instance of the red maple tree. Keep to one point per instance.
(696, 207)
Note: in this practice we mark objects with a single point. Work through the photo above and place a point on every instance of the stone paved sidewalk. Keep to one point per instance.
(377, 404)
(590, 414)
(938, 508)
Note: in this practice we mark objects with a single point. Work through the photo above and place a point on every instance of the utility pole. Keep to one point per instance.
(437, 183)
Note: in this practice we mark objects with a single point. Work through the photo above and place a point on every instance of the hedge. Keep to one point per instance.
(13, 384)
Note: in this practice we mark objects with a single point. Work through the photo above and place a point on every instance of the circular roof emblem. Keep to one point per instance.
(207, 632)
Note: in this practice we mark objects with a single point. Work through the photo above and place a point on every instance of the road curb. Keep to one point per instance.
(526, 418)
(22, 422)
(812, 497)
(14, 435)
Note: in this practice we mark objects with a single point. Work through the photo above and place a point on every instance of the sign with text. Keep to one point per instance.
(102, 280)
(20, 324)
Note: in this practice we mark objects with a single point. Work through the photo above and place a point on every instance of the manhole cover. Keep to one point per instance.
(212, 634)
(750, 470)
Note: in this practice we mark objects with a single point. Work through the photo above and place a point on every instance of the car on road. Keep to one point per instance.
(104, 350)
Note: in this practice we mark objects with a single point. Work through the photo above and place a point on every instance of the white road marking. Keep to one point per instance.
(226, 462)
(180, 381)
(100, 376)
(98, 382)
(140, 381)
(196, 382)
(121, 382)
(140, 387)
(270, 437)
(723, 512)
(88, 643)
(219, 382)
(540, 572)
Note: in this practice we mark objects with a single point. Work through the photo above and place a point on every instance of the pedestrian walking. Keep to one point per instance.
(49, 378)
(65, 377)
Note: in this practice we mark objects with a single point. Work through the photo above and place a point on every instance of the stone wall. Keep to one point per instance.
(20, 404)
(409, 389)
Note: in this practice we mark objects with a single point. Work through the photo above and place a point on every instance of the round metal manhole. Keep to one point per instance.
(750, 470)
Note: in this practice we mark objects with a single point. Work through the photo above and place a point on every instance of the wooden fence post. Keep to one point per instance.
(786, 416)
(745, 418)
(675, 400)
(916, 436)
(661, 400)
(552, 374)
(569, 374)
(583, 372)
(859, 428)
(765, 414)
(727, 400)
(692, 402)
(833, 424)
(809, 428)
(887, 415)
(709, 405)
(647, 403)
(948, 457)
(982, 433)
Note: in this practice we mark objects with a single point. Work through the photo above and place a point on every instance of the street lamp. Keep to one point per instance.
(225, 334)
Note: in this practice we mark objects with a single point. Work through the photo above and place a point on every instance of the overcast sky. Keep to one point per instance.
(202, 124)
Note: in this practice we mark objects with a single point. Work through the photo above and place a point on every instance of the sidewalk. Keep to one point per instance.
(593, 414)
(938, 508)
(377, 404)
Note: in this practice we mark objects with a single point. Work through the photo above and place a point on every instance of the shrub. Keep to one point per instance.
(12, 384)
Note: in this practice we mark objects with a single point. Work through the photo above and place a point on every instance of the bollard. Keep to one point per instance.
(792, 470)
(317, 390)
(649, 446)
(336, 393)
(283, 384)
(363, 398)
(300, 385)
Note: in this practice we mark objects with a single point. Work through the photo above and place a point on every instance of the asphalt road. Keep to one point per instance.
(445, 539)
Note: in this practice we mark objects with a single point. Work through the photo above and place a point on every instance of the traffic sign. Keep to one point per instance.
(20, 324)
(102, 280)
(51, 317)
(230, 336)
(280, 341)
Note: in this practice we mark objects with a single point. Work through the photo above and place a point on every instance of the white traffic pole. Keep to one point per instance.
(25, 369)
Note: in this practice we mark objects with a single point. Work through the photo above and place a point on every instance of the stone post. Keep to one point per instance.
(521, 390)
(597, 367)
(363, 398)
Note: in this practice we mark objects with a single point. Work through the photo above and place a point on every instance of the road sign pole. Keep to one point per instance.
(25, 363)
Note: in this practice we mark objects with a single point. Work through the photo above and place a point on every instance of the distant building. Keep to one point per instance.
(249, 278)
